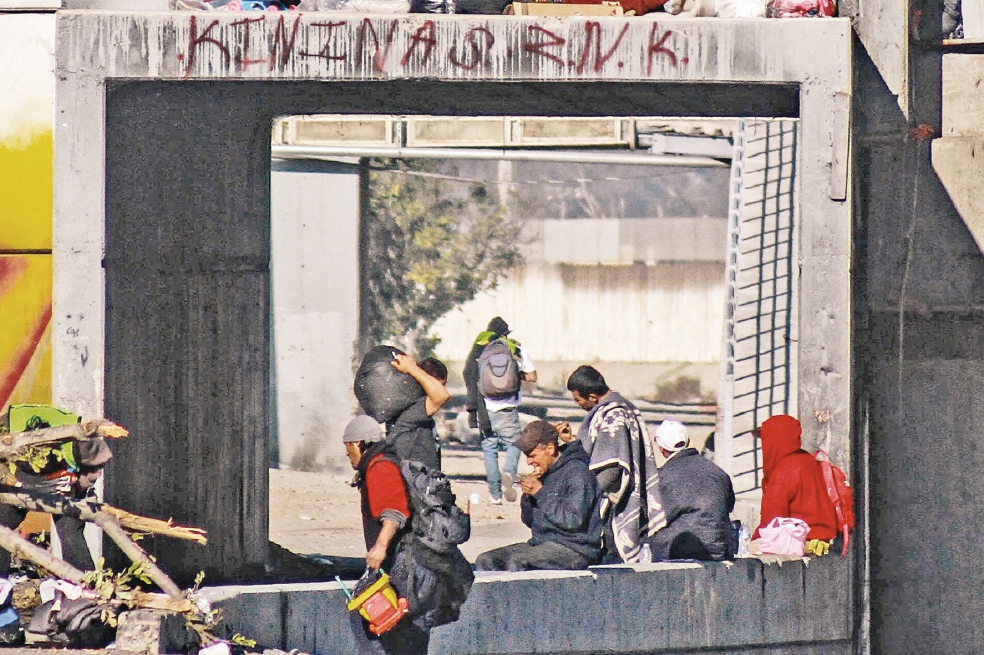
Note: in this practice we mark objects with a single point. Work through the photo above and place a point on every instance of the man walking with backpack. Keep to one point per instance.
(419, 549)
(494, 371)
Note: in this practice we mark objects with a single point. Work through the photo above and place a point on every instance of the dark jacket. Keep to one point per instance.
(697, 498)
(565, 510)
(411, 435)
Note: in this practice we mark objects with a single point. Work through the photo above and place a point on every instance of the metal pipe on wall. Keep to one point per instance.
(573, 156)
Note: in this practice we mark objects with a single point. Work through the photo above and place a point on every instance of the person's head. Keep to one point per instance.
(538, 441)
(587, 386)
(91, 457)
(671, 437)
(499, 326)
(359, 433)
(434, 368)
(780, 435)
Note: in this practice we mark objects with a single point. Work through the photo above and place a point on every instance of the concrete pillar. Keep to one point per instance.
(315, 223)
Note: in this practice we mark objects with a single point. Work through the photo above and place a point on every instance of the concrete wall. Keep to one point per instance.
(314, 254)
(919, 357)
(176, 109)
(663, 312)
(745, 607)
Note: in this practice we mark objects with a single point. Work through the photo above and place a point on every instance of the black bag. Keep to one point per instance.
(382, 391)
(438, 523)
(77, 623)
(428, 7)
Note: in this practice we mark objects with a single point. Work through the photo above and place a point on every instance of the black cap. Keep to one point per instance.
(537, 433)
(499, 326)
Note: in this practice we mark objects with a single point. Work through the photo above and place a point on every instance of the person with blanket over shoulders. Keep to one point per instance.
(622, 458)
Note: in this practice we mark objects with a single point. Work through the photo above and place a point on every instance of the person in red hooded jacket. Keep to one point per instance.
(792, 483)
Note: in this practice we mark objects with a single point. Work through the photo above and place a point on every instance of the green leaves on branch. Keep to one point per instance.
(430, 246)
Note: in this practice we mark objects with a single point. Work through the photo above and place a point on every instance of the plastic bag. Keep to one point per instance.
(428, 7)
(382, 391)
(783, 536)
(801, 8)
(742, 8)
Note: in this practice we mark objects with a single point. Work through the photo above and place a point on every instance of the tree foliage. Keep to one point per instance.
(429, 246)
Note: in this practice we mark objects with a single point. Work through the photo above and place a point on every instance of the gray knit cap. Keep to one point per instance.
(362, 428)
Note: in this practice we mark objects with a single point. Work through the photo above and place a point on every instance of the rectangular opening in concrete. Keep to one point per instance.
(671, 273)
(187, 267)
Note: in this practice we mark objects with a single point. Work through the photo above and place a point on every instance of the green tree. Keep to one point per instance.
(429, 245)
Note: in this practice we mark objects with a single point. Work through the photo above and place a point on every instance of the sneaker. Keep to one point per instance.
(508, 490)
(495, 501)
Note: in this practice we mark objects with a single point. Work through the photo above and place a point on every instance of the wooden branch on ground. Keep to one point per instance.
(24, 549)
(87, 509)
(131, 549)
(14, 443)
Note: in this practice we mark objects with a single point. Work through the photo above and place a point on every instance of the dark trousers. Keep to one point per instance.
(524, 557)
(404, 639)
(74, 549)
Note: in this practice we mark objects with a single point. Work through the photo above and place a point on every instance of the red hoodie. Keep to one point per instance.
(793, 483)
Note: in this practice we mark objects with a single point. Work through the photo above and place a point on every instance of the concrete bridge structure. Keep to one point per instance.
(161, 288)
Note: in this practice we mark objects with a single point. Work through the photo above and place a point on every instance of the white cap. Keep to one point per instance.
(672, 436)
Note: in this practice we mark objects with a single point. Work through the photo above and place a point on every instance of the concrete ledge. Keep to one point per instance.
(795, 606)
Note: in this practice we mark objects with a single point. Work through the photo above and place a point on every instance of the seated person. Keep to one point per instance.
(792, 482)
(697, 498)
(411, 434)
(559, 504)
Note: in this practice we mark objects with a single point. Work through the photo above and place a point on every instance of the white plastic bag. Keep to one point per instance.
(783, 536)
(742, 8)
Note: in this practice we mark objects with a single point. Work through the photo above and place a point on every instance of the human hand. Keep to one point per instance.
(376, 555)
(531, 484)
(403, 363)
(564, 431)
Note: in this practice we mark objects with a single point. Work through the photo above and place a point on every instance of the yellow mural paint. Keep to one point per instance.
(25, 341)
(26, 193)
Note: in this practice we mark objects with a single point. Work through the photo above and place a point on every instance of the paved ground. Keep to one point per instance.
(318, 513)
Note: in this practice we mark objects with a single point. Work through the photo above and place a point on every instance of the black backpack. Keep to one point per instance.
(437, 522)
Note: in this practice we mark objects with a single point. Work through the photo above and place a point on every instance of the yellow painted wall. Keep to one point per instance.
(27, 79)
(25, 194)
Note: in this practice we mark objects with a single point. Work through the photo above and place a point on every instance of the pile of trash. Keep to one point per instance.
(46, 454)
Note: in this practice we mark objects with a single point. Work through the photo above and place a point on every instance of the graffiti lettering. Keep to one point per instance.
(599, 59)
(323, 53)
(428, 39)
(285, 43)
(369, 44)
(242, 59)
(382, 50)
(195, 40)
(476, 51)
(537, 48)
(658, 48)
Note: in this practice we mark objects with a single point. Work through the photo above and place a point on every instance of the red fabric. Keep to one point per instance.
(384, 488)
(792, 483)
(641, 7)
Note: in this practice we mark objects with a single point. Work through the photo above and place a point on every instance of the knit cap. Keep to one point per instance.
(362, 428)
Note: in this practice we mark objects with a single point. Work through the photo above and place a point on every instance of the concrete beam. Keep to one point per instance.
(742, 607)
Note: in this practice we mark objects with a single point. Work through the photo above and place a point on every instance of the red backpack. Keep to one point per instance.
(840, 495)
